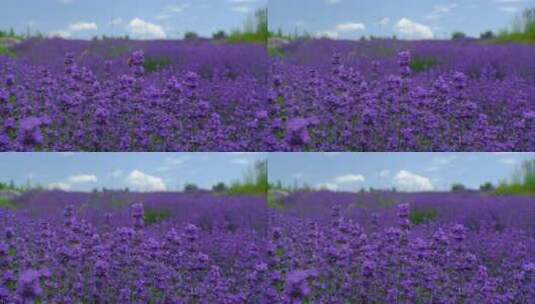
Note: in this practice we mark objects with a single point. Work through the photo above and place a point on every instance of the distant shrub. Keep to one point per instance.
(155, 64)
(4, 51)
(118, 203)
(488, 35)
(239, 37)
(220, 187)
(191, 188)
(421, 64)
(458, 36)
(423, 216)
(275, 52)
(6, 203)
(275, 202)
(219, 35)
(458, 188)
(487, 187)
(191, 35)
(155, 216)
(117, 51)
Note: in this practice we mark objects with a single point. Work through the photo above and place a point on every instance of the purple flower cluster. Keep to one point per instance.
(403, 96)
(119, 95)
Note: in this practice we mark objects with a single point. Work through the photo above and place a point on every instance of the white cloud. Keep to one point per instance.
(65, 153)
(82, 178)
(67, 184)
(116, 21)
(508, 161)
(83, 26)
(385, 21)
(384, 173)
(509, 9)
(60, 34)
(409, 29)
(116, 173)
(73, 28)
(342, 28)
(147, 30)
(59, 186)
(241, 9)
(349, 178)
(331, 2)
(241, 161)
(341, 180)
(328, 34)
(408, 181)
(350, 27)
(328, 186)
(144, 182)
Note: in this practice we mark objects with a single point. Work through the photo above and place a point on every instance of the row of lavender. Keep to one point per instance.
(389, 95)
(387, 258)
(117, 95)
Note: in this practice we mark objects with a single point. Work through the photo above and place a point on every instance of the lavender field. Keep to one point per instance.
(385, 247)
(128, 95)
(291, 246)
(120, 247)
(395, 95)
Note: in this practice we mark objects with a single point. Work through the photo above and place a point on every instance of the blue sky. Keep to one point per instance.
(409, 19)
(405, 171)
(137, 18)
(140, 171)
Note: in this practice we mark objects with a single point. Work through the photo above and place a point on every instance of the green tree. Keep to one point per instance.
(220, 187)
(219, 35)
(487, 187)
(191, 188)
(191, 35)
(487, 35)
(458, 36)
(458, 187)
